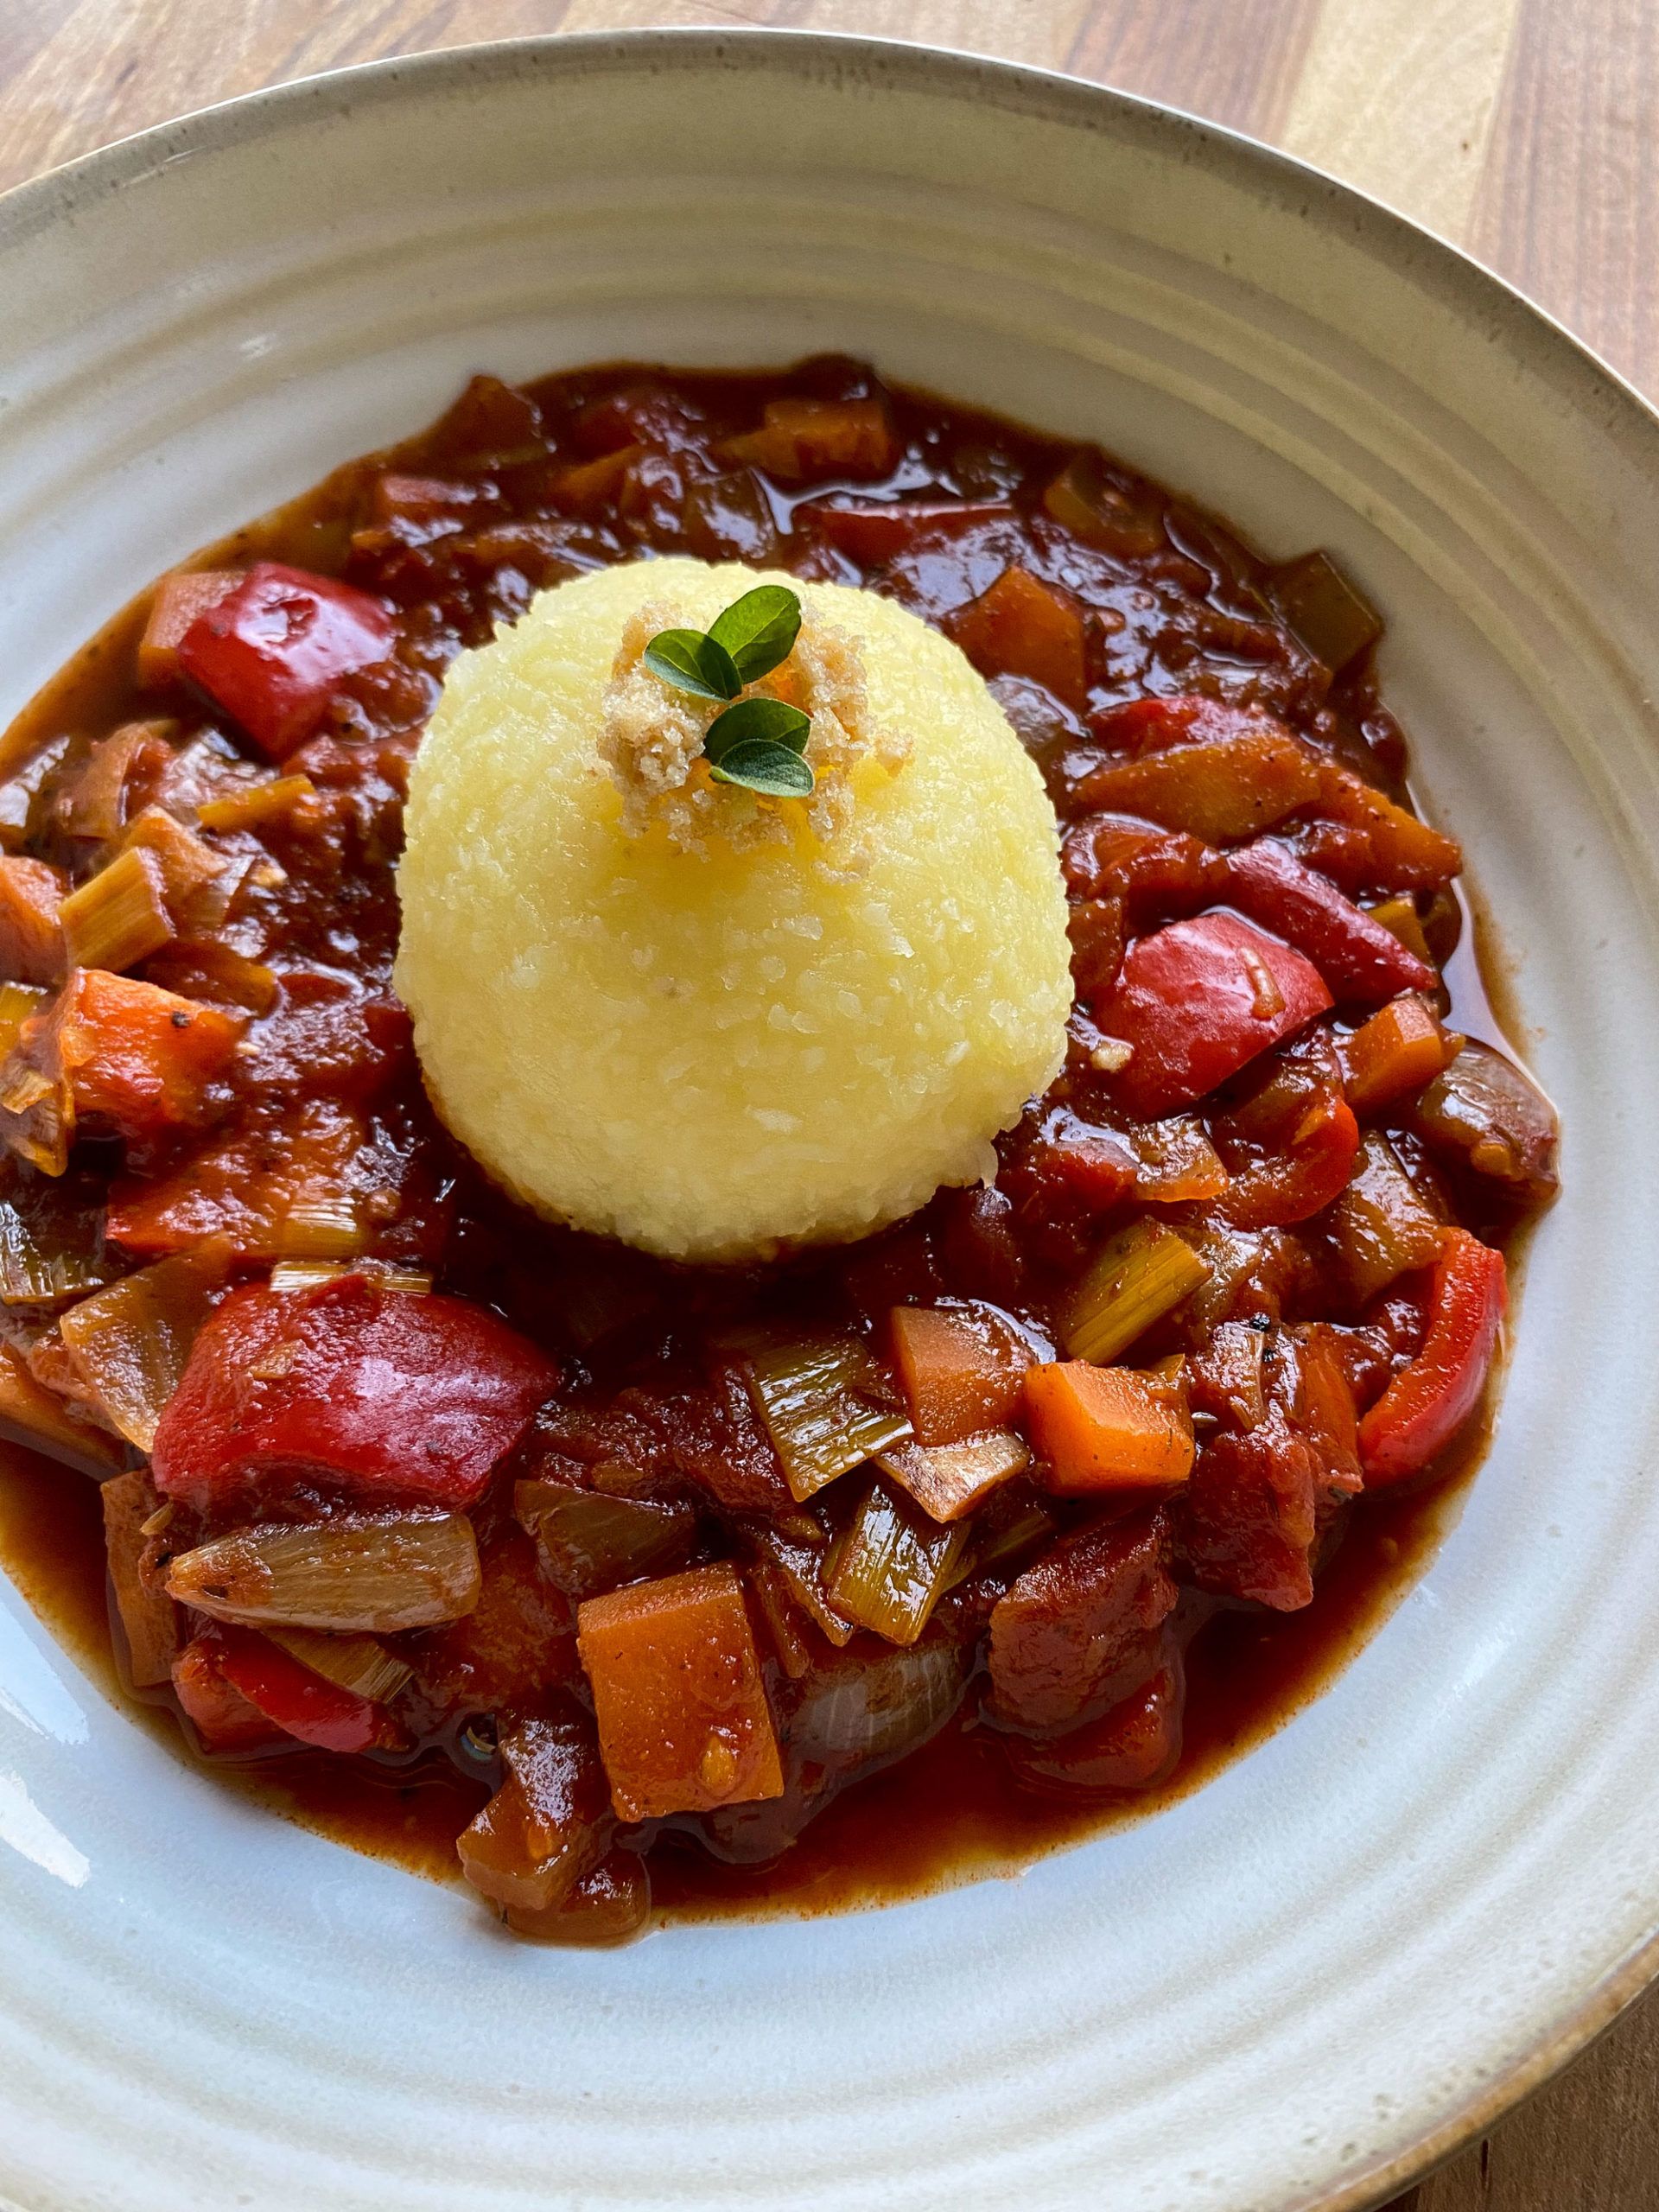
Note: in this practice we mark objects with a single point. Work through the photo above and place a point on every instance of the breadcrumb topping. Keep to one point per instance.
(652, 742)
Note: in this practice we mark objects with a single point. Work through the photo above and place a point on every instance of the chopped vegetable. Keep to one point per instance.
(31, 1414)
(683, 1722)
(1380, 1225)
(222, 1717)
(800, 1566)
(1400, 918)
(1197, 1002)
(586, 486)
(1487, 1114)
(607, 1906)
(1294, 1183)
(1226, 788)
(1326, 612)
(1175, 1162)
(321, 1225)
(377, 1396)
(296, 1700)
(50, 1246)
(360, 1663)
(129, 1343)
(243, 1184)
(1022, 627)
(1224, 1375)
(815, 1397)
(94, 805)
(1077, 1631)
(350, 1574)
(149, 1615)
(960, 1369)
(871, 534)
(873, 1703)
(1400, 1049)
(1423, 1408)
(272, 652)
(803, 438)
(137, 1062)
(1108, 1428)
(549, 1824)
(588, 1542)
(1359, 959)
(950, 1481)
(31, 932)
(1400, 853)
(120, 916)
(1137, 1277)
(181, 600)
(891, 1565)
(1106, 511)
(281, 799)
(202, 968)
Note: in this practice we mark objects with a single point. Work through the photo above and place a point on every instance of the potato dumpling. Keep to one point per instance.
(766, 1023)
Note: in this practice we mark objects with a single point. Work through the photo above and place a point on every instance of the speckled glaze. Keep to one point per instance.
(1303, 1984)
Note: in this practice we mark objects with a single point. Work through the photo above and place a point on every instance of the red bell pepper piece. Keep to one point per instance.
(1296, 1184)
(223, 1719)
(1151, 870)
(379, 1396)
(872, 533)
(1425, 1405)
(1359, 959)
(272, 652)
(1197, 1002)
(299, 1702)
(1150, 725)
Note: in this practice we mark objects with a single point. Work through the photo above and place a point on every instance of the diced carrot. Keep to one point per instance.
(1222, 790)
(1399, 1049)
(804, 438)
(1405, 853)
(243, 1185)
(31, 935)
(136, 1059)
(683, 1722)
(1022, 627)
(179, 600)
(591, 485)
(960, 1369)
(1108, 1428)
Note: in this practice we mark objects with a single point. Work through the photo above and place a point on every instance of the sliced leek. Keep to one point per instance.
(1136, 1278)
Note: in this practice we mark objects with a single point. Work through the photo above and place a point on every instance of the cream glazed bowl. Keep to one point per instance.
(1302, 1984)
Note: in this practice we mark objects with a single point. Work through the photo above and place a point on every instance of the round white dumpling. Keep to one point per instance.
(718, 1050)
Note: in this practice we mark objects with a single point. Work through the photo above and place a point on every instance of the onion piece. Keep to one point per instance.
(890, 1566)
(1136, 1277)
(799, 1566)
(352, 1573)
(589, 1543)
(872, 1703)
(129, 1343)
(358, 1663)
(815, 1394)
(949, 1480)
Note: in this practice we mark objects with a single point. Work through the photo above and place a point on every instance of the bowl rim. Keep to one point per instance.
(1455, 278)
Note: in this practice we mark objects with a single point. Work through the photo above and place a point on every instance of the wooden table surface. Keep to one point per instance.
(1523, 129)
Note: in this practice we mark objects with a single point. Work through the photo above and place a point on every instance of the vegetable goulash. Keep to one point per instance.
(749, 1136)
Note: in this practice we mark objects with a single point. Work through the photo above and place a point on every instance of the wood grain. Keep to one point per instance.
(1525, 128)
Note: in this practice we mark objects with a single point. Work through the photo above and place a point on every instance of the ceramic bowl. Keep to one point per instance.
(1305, 1982)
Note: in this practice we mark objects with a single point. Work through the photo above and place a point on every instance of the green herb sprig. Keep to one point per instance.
(758, 743)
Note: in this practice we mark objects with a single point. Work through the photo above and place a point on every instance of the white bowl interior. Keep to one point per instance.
(1267, 1994)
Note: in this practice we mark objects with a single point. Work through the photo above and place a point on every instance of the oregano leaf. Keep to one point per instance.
(694, 662)
(758, 630)
(757, 722)
(759, 764)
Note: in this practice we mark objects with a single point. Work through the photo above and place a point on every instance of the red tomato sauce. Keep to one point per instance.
(1270, 1146)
